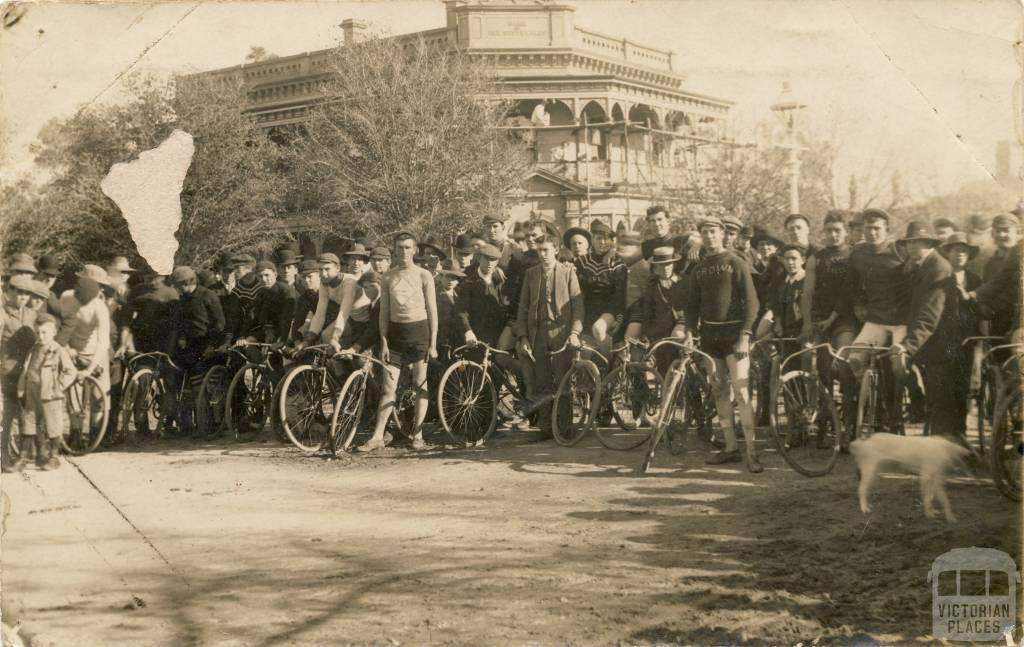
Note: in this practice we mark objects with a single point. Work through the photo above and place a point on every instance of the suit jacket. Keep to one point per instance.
(567, 304)
(933, 331)
(999, 298)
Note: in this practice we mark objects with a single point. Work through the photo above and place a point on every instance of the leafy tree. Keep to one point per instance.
(403, 141)
(232, 195)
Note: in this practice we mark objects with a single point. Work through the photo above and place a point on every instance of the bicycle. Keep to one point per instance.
(307, 396)
(1008, 430)
(578, 397)
(213, 390)
(146, 407)
(805, 422)
(873, 414)
(985, 379)
(248, 400)
(682, 372)
(632, 392)
(468, 401)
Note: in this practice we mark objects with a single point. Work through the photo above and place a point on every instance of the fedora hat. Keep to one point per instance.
(601, 227)
(450, 268)
(358, 249)
(919, 230)
(287, 256)
(576, 231)
(433, 243)
(40, 290)
(960, 238)
(49, 265)
(663, 255)
(21, 263)
(94, 272)
(21, 282)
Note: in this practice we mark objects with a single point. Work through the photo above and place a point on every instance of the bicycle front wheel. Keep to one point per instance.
(1008, 445)
(307, 402)
(671, 398)
(88, 408)
(467, 404)
(575, 404)
(868, 415)
(247, 403)
(633, 392)
(805, 423)
(210, 399)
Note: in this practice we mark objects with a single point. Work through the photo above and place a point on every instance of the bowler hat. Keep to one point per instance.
(328, 257)
(182, 274)
(21, 282)
(94, 272)
(576, 231)
(732, 222)
(49, 265)
(747, 232)
(358, 249)
(601, 227)
(488, 250)
(919, 230)
(450, 268)
(432, 242)
(21, 263)
(464, 244)
(308, 267)
(664, 255)
(959, 238)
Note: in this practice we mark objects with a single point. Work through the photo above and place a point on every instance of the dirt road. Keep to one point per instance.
(517, 543)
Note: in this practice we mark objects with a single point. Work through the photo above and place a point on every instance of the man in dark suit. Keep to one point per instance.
(959, 252)
(550, 313)
(933, 328)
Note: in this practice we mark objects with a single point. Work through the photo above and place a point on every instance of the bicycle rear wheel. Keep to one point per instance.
(88, 409)
(633, 393)
(210, 399)
(805, 423)
(247, 402)
(575, 404)
(307, 401)
(467, 404)
(1008, 445)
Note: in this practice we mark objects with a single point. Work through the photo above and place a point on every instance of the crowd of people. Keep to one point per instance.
(720, 284)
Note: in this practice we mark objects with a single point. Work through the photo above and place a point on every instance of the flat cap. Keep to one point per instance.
(243, 259)
(183, 274)
(45, 318)
(328, 257)
(488, 250)
(1005, 220)
(265, 265)
(500, 218)
(308, 267)
(380, 252)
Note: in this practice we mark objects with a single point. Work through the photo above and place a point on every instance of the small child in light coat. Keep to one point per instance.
(48, 371)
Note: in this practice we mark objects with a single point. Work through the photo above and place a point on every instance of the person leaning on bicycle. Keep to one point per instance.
(722, 305)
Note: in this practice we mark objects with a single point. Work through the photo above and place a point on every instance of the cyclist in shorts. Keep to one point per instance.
(408, 336)
(602, 276)
(722, 305)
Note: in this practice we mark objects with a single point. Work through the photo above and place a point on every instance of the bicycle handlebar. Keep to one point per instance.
(626, 343)
(682, 345)
(583, 346)
(997, 348)
(478, 344)
(155, 354)
(366, 356)
(980, 338)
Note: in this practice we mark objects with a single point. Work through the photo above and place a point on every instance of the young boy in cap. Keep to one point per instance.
(495, 234)
(638, 277)
(49, 270)
(275, 307)
(663, 305)
(1006, 236)
(288, 260)
(309, 294)
(333, 290)
(48, 372)
(380, 260)
(448, 278)
(722, 306)
(578, 241)
(17, 336)
(247, 287)
(784, 303)
(602, 276)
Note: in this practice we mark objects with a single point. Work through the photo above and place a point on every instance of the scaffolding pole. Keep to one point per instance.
(586, 142)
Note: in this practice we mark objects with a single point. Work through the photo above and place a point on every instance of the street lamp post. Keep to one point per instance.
(788, 108)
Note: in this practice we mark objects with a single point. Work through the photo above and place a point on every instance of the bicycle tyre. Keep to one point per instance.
(669, 401)
(801, 403)
(307, 428)
(581, 386)
(236, 417)
(867, 404)
(629, 405)
(1007, 446)
(352, 402)
(86, 443)
(466, 384)
(210, 399)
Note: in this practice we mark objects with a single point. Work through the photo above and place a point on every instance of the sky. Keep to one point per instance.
(924, 86)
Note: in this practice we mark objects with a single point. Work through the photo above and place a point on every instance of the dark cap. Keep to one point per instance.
(977, 222)
(664, 255)
(464, 243)
(308, 267)
(576, 231)
(369, 276)
(919, 230)
(206, 278)
(450, 268)
(488, 250)
(358, 249)
(49, 265)
(243, 259)
(45, 318)
(795, 216)
(874, 214)
(960, 238)
(265, 265)
(732, 222)
(287, 256)
(499, 218)
(1005, 220)
(380, 252)
(328, 257)
(433, 243)
(797, 246)
(601, 227)
(746, 231)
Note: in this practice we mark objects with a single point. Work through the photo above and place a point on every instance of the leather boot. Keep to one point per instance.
(42, 450)
(54, 453)
(24, 444)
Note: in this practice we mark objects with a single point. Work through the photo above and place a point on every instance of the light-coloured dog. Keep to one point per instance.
(930, 457)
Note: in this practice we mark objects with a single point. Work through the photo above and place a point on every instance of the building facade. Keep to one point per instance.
(610, 127)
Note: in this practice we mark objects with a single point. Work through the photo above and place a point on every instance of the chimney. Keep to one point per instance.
(1002, 159)
(353, 30)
